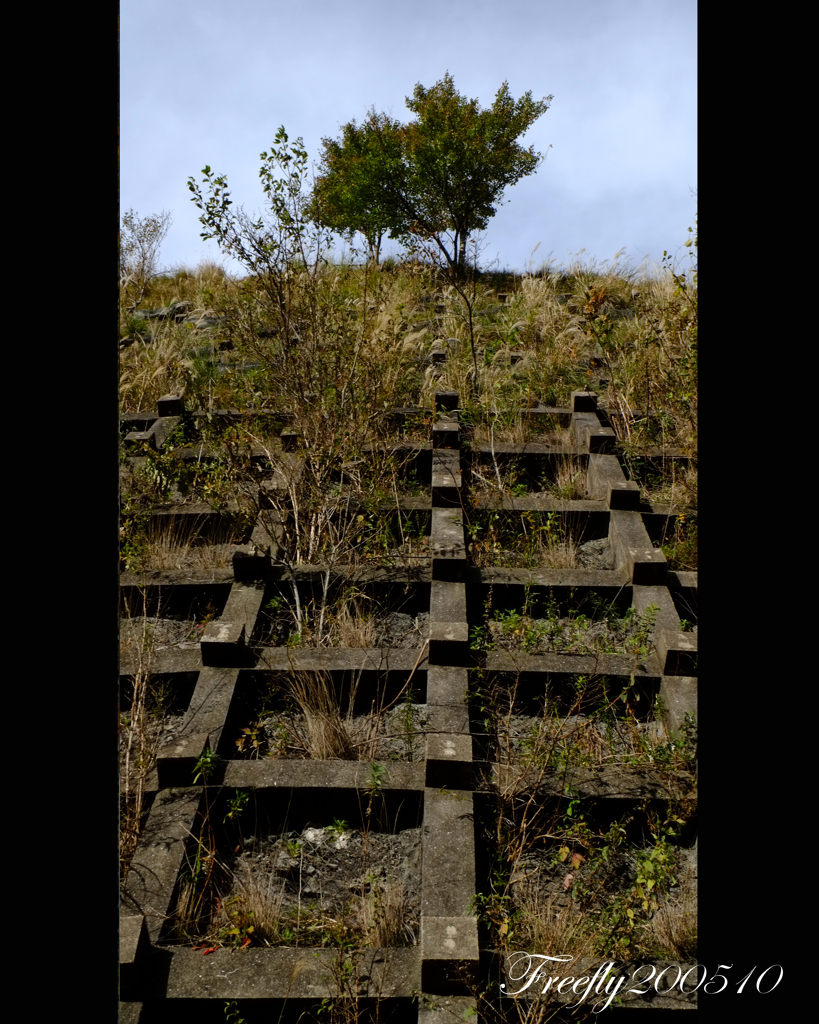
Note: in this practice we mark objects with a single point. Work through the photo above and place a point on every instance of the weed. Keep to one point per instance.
(338, 828)
(206, 766)
(232, 1013)
(237, 804)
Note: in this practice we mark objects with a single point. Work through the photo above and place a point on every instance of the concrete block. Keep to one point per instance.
(448, 866)
(679, 696)
(290, 440)
(582, 423)
(133, 941)
(583, 401)
(170, 405)
(251, 562)
(149, 885)
(666, 617)
(677, 652)
(446, 401)
(624, 496)
(601, 439)
(447, 686)
(290, 973)
(162, 430)
(130, 1013)
(449, 954)
(447, 544)
(446, 434)
(448, 634)
(287, 471)
(446, 478)
(176, 761)
(446, 1009)
(449, 761)
(633, 550)
(605, 479)
(202, 725)
(136, 438)
(447, 602)
(268, 773)
(449, 643)
(223, 643)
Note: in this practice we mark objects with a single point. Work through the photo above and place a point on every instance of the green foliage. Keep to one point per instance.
(338, 828)
(349, 194)
(206, 766)
(681, 548)
(443, 172)
(232, 1013)
(237, 804)
(375, 779)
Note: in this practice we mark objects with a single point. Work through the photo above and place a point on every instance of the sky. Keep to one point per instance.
(207, 83)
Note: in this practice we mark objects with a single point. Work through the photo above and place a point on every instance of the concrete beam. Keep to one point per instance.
(202, 725)
(679, 696)
(605, 479)
(633, 550)
(447, 544)
(446, 434)
(446, 478)
(448, 626)
(150, 883)
(225, 640)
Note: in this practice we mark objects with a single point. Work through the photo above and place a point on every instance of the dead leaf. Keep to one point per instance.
(567, 881)
(577, 859)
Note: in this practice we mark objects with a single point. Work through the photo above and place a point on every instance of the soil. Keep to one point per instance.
(590, 736)
(396, 630)
(399, 630)
(594, 554)
(542, 886)
(409, 552)
(327, 874)
(284, 733)
(567, 636)
(162, 633)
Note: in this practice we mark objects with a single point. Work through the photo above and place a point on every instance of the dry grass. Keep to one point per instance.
(165, 551)
(139, 740)
(252, 903)
(674, 926)
(532, 549)
(569, 480)
(352, 628)
(541, 927)
(327, 733)
(381, 914)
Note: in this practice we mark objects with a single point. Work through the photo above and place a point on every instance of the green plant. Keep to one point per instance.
(237, 804)
(252, 739)
(206, 766)
(442, 172)
(232, 1013)
(338, 828)
(375, 779)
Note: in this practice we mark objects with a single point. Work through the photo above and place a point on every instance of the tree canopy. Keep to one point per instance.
(440, 177)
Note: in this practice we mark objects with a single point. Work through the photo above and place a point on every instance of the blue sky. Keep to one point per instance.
(206, 83)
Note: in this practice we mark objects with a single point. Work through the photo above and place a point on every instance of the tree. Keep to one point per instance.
(440, 178)
(139, 242)
(349, 195)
